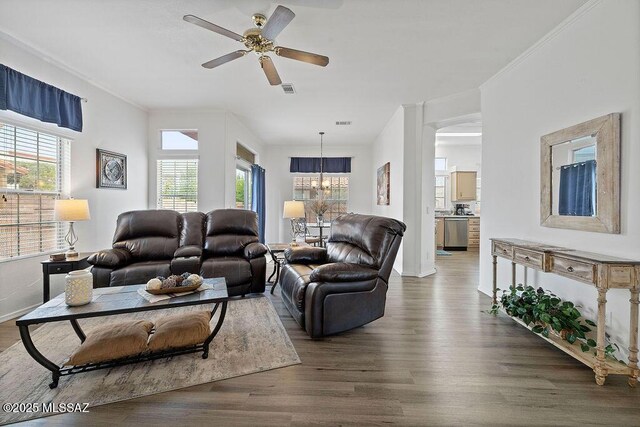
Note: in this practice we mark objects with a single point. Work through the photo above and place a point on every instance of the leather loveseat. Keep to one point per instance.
(344, 286)
(150, 243)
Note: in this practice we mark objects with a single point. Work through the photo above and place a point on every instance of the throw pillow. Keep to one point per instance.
(113, 341)
(180, 330)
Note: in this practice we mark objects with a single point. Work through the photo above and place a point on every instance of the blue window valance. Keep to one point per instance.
(312, 165)
(33, 98)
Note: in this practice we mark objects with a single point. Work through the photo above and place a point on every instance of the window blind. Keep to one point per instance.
(178, 185)
(33, 171)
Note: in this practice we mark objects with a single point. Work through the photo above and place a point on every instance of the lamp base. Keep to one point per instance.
(71, 253)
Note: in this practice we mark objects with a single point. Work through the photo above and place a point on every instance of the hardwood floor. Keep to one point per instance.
(435, 358)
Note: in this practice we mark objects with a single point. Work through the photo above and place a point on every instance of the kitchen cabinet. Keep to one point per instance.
(440, 233)
(473, 232)
(463, 186)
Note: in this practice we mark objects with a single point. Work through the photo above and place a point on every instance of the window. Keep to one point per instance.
(243, 188)
(33, 173)
(441, 198)
(336, 192)
(441, 163)
(584, 154)
(179, 139)
(178, 185)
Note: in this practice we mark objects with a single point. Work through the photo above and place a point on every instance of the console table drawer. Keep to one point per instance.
(59, 269)
(578, 270)
(503, 250)
(529, 258)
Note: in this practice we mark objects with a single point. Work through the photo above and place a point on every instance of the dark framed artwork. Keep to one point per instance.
(111, 170)
(383, 187)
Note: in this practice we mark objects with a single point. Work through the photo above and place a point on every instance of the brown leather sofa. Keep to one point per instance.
(344, 286)
(150, 243)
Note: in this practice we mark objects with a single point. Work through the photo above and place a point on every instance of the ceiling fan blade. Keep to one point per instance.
(270, 71)
(300, 55)
(224, 59)
(212, 27)
(276, 23)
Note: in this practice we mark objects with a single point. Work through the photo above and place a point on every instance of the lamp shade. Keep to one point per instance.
(293, 209)
(71, 210)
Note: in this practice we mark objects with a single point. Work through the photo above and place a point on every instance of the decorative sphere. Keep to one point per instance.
(187, 282)
(154, 284)
(195, 279)
(169, 283)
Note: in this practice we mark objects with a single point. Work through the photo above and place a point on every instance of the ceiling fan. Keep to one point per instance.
(261, 40)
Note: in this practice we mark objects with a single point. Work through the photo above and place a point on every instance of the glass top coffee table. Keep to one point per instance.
(113, 301)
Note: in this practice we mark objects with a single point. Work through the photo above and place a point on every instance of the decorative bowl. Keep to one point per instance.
(176, 290)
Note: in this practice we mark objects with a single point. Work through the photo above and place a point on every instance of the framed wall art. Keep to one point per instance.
(383, 188)
(111, 170)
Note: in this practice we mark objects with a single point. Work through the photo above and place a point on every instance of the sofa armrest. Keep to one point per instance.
(343, 272)
(305, 255)
(254, 250)
(111, 258)
(188, 251)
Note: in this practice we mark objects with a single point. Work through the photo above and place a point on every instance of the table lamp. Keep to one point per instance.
(293, 210)
(71, 210)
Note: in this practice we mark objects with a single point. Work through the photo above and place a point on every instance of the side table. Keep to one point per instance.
(61, 267)
(276, 250)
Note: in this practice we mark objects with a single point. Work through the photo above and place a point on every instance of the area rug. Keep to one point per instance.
(442, 253)
(252, 339)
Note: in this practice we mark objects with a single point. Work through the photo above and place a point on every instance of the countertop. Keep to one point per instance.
(457, 216)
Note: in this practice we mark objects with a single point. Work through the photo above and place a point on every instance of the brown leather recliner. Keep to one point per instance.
(344, 286)
(150, 243)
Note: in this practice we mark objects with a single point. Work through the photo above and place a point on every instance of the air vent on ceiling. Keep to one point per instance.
(288, 88)
(343, 123)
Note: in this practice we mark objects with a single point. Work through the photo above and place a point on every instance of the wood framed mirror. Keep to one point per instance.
(580, 176)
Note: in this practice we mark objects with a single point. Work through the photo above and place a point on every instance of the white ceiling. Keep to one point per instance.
(383, 54)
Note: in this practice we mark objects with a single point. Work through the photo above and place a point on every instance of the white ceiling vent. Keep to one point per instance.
(288, 88)
(343, 123)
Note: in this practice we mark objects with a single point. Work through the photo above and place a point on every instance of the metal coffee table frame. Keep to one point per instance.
(220, 299)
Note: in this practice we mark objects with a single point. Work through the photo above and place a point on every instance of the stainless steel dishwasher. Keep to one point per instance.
(455, 233)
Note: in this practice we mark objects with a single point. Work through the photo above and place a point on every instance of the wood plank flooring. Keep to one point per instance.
(435, 358)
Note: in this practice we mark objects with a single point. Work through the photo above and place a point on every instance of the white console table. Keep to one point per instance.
(603, 272)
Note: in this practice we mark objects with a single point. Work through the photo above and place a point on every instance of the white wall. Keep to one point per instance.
(109, 123)
(587, 68)
(389, 147)
(218, 132)
(279, 181)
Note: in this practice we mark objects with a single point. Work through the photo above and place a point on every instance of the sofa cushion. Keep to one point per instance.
(229, 231)
(235, 270)
(192, 229)
(148, 234)
(112, 341)
(180, 330)
(362, 239)
(305, 255)
(112, 258)
(343, 272)
(140, 272)
(227, 244)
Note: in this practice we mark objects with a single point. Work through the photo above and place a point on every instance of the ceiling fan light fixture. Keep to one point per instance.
(259, 20)
(260, 40)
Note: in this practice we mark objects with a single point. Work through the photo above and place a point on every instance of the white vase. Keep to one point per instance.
(78, 289)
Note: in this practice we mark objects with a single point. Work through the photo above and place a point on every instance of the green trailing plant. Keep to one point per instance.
(545, 313)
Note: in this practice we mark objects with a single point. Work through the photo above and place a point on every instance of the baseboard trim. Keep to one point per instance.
(425, 273)
(18, 313)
